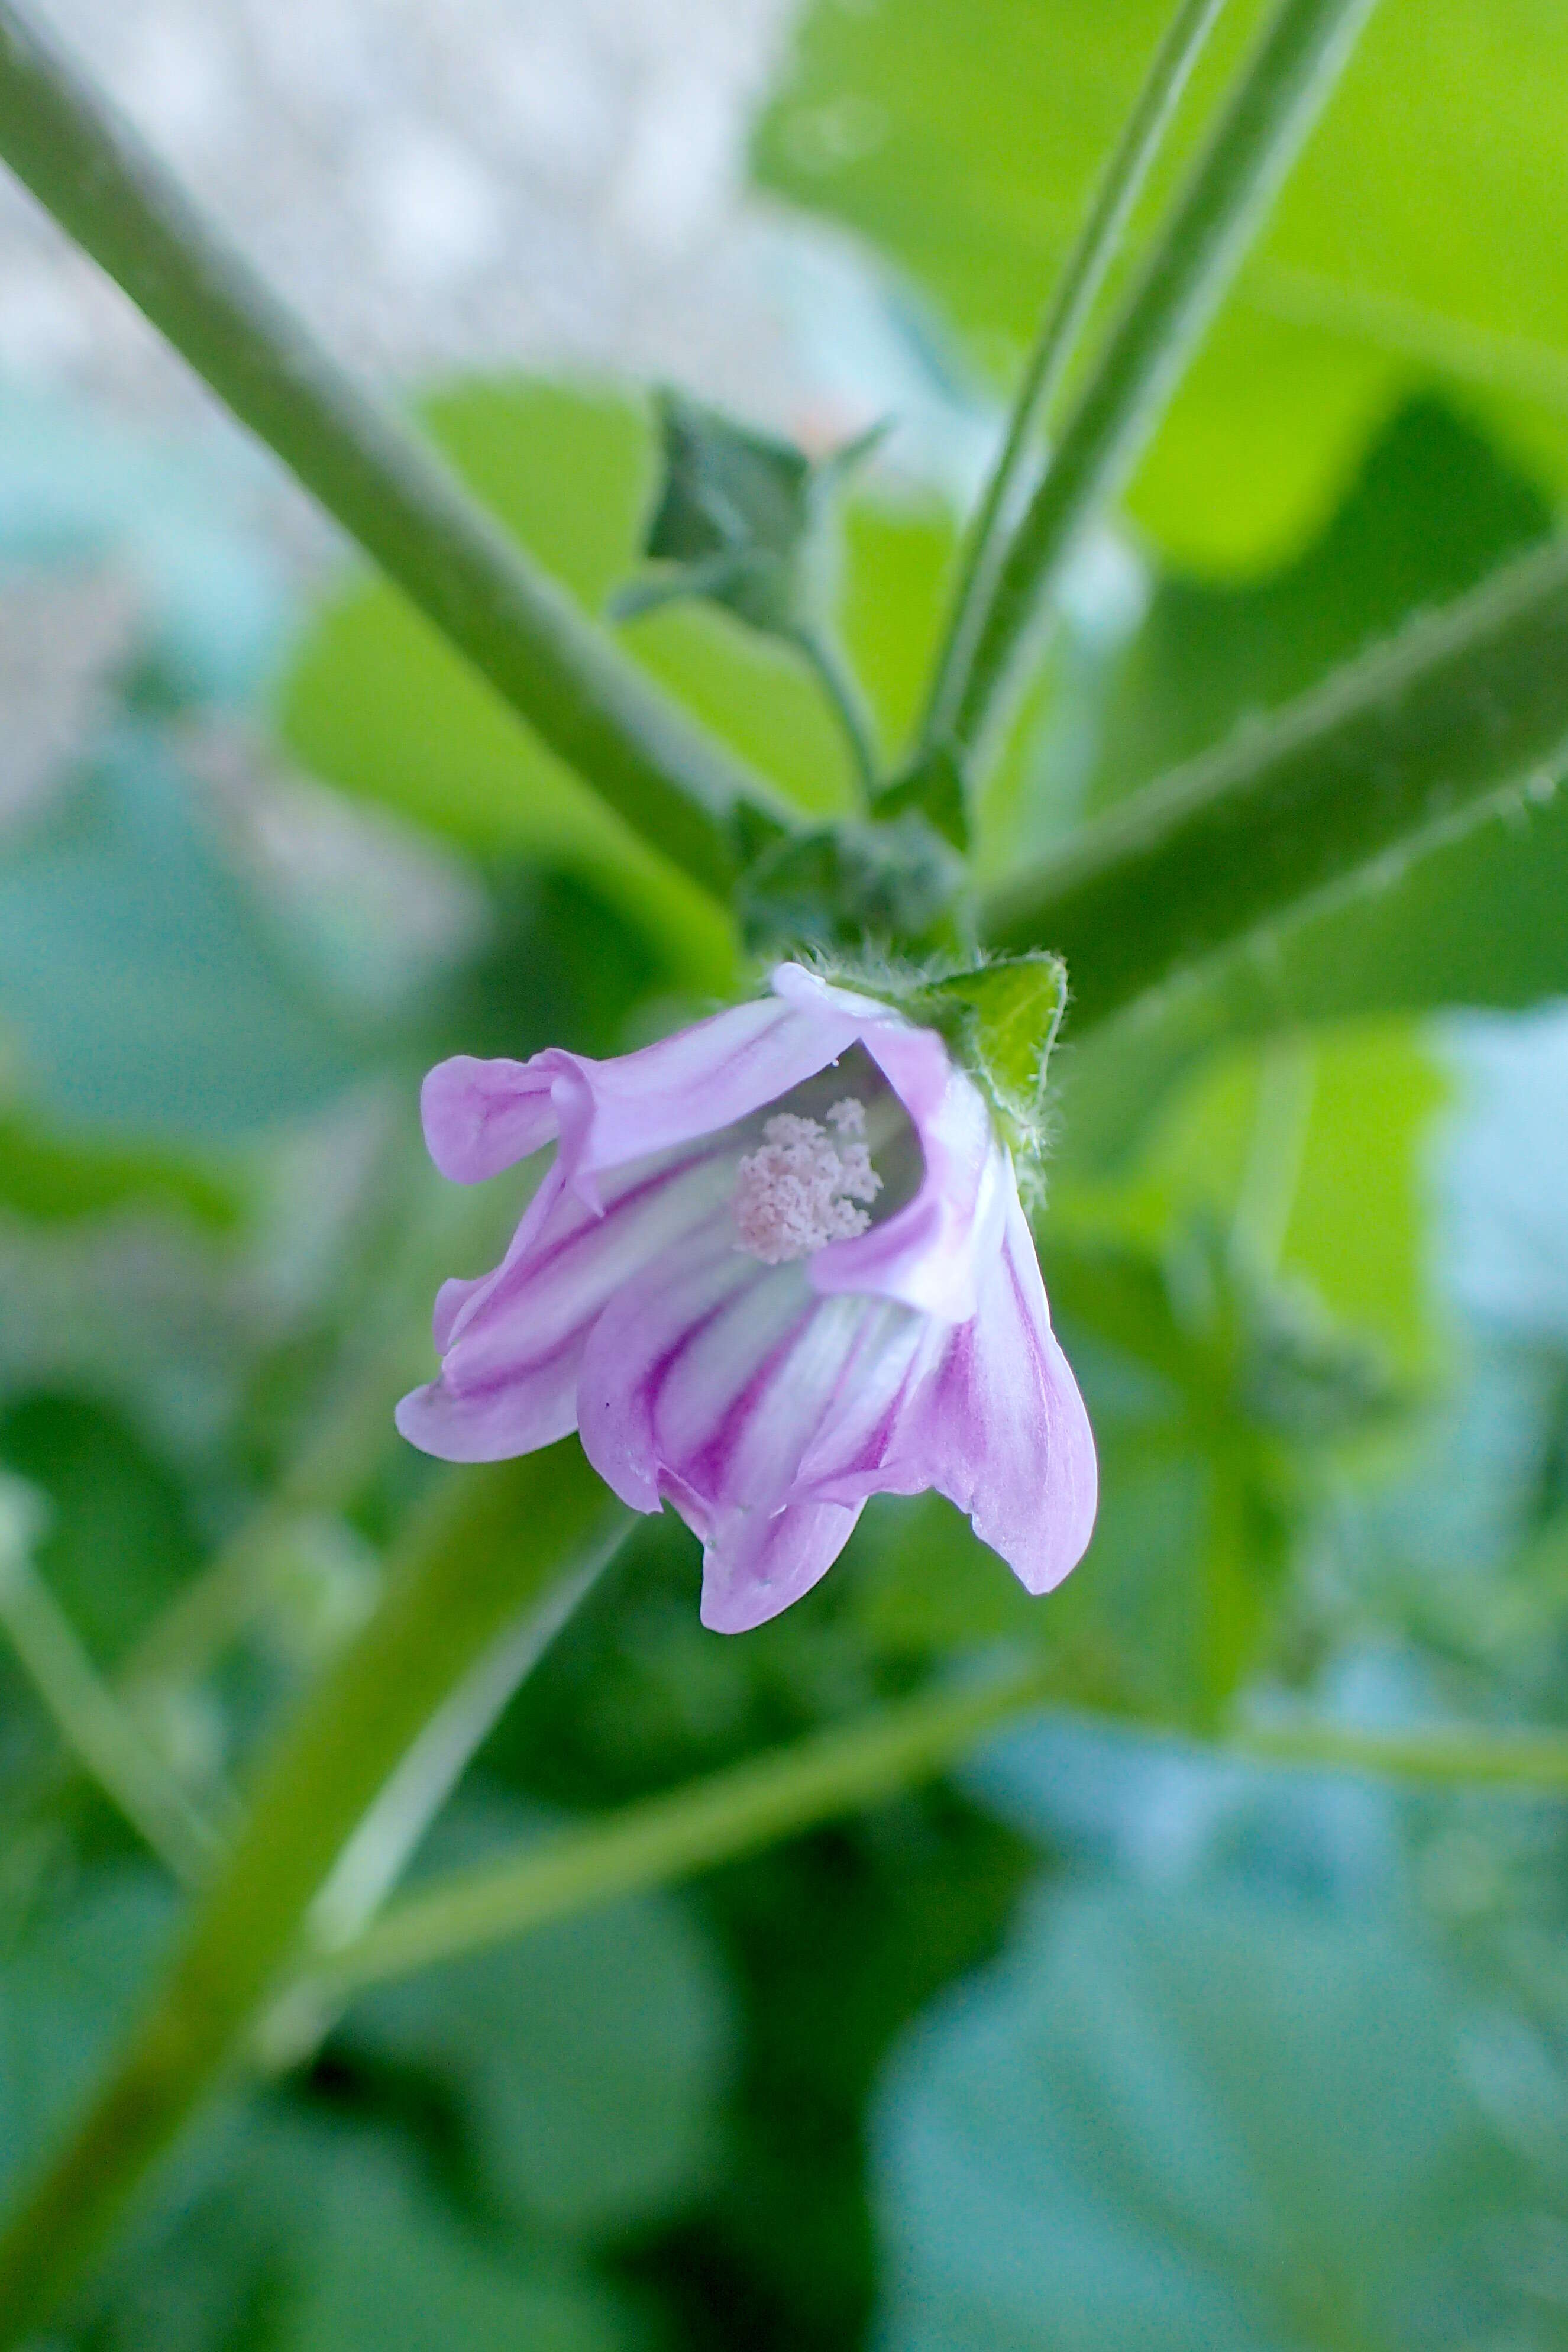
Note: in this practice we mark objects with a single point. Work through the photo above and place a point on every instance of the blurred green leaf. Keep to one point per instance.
(119, 1540)
(895, 559)
(964, 142)
(1172, 2124)
(589, 2057)
(52, 1177)
(1145, 1148)
(1433, 508)
(1360, 1222)
(300, 2230)
(69, 1982)
(139, 980)
(390, 2269)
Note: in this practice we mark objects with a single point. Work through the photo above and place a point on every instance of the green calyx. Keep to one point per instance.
(999, 1017)
(830, 891)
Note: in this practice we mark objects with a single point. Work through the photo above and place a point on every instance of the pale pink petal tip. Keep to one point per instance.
(764, 1371)
(755, 1565)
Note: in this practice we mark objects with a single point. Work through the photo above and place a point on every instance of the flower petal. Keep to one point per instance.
(635, 1346)
(701, 1079)
(491, 1423)
(481, 1116)
(710, 1391)
(1000, 1429)
(512, 1341)
(930, 1253)
(755, 1563)
(766, 1402)
(850, 1455)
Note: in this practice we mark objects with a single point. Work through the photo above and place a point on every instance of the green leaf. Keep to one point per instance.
(390, 2269)
(69, 1983)
(965, 141)
(1180, 2123)
(140, 985)
(119, 1540)
(52, 1177)
(589, 2057)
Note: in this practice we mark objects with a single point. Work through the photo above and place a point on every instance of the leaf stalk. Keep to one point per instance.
(1274, 106)
(1081, 280)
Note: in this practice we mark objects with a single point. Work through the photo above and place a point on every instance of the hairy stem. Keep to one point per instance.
(485, 1561)
(1464, 711)
(1081, 280)
(386, 486)
(1193, 261)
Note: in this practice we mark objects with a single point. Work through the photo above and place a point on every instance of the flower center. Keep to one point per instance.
(799, 1190)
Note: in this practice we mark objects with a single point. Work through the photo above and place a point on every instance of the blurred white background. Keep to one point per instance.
(438, 183)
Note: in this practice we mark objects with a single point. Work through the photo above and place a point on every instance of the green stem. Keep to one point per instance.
(1463, 712)
(834, 1772)
(390, 491)
(848, 705)
(1534, 1763)
(1270, 113)
(647, 1844)
(1087, 266)
(488, 1555)
(96, 1727)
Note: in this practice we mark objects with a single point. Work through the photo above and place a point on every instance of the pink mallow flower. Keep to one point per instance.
(776, 1266)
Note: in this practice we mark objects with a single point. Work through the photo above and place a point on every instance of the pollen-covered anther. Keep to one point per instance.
(799, 1190)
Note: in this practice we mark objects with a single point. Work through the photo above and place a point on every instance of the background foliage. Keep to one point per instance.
(1108, 2039)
